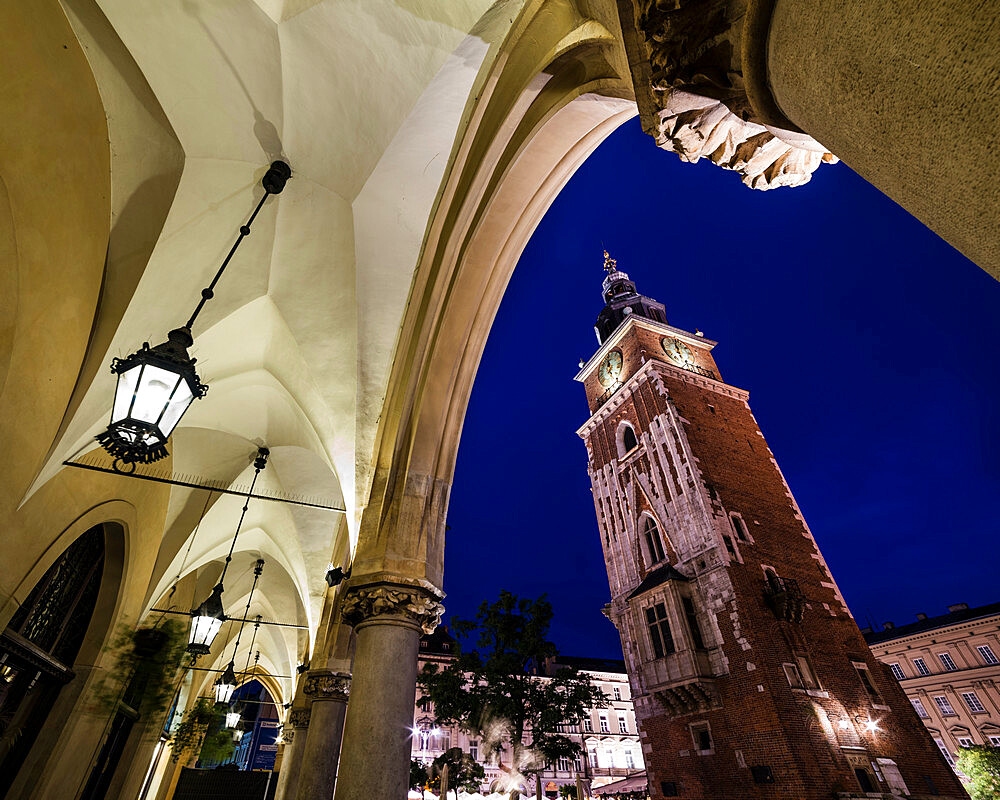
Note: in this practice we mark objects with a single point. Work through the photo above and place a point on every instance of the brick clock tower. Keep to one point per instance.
(749, 674)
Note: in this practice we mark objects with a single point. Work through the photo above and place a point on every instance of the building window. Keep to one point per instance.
(629, 760)
(972, 701)
(866, 679)
(563, 764)
(604, 724)
(740, 527)
(943, 705)
(474, 749)
(965, 741)
(946, 662)
(692, 621)
(654, 547)
(592, 755)
(794, 676)
(897, 671)
(628, 441)
(588, 725)
(701, 734)
(659, 630)
(987, 654)
(919, 707)
(578, 763)
(945, 752)
(994, 741)
(921, 666)
(617, 692)
(622, 725)
(424, 704)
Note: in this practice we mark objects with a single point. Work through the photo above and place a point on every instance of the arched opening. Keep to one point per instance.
(40, 645)
(652, 541)
(627, 441)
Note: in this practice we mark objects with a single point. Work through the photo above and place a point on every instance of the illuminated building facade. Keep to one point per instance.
(608, 737)
(749, 675)
(949, 667)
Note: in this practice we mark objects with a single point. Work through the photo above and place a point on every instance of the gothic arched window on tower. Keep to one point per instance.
(629, 440)
(654, 545)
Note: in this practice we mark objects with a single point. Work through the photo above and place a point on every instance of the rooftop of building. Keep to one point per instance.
(589, 664)
(439, 643)
(960, 612)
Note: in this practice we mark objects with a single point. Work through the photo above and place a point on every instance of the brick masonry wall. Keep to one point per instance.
(762, 719)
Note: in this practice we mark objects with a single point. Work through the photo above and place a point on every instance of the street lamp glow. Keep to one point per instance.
(155, 387)
(843, 724)
(225, 686)
(206, 622)
(232, 719)
(872, 726)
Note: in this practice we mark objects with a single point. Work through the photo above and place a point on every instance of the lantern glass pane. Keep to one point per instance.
(204, 629)
(178, 404)
(155, 387)
(127, 381)
(232, 719)
(224, 692)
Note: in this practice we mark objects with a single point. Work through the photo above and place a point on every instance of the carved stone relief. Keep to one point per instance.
(327, 685)
(418, 602)
(688, 74)
(299, 717)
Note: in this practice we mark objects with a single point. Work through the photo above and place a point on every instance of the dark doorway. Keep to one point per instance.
(867, 785)
(39, 646)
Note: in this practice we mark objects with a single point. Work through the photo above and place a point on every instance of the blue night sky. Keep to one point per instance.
(869, 347)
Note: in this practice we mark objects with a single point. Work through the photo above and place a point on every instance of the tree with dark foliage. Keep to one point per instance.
(495, 689)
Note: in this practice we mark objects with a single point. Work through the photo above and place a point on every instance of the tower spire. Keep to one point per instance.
(610, 265)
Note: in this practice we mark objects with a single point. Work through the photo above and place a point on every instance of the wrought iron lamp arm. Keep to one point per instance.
(273, 182)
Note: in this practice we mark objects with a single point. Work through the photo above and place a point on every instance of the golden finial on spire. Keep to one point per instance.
(610, 265)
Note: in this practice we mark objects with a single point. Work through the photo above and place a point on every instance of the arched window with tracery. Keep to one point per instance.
(627, 441)
(653, 542)
(40, 644)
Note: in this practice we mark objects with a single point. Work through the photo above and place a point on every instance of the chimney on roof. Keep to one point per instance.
(888, 625)
(958, 607)
(921, 617)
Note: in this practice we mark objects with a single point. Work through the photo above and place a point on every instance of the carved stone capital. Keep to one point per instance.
(299, 718)
(386, 596)
(287, 736)
(324, 684)
(688, 60)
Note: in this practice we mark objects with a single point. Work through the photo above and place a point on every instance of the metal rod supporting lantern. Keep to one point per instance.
(156, 385)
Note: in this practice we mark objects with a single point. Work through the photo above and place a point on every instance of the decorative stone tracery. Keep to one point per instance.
(391, 596)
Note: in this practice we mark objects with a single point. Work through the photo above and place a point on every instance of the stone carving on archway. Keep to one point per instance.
(688, 61)
(416, 601)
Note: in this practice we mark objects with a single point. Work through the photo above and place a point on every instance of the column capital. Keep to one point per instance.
(299, 717)
(383, 596)
(699, 73)
(325, 684)
(287, 736)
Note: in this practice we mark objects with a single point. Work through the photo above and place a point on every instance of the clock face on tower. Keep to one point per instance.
(677, 351)
(610, 368)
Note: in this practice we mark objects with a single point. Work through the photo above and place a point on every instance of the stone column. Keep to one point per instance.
(905, 92)
(389, 614)
(328, 691)
(291, 762)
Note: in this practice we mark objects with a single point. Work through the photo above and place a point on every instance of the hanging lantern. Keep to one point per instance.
(157, 384)
(237, 735)
(155, 387)
(232, 719)
(224, 688)
(206, 622)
